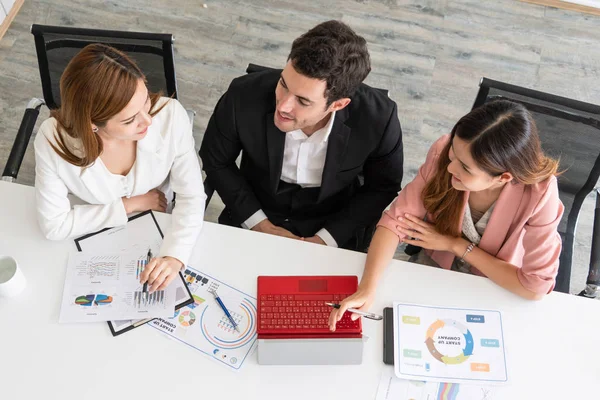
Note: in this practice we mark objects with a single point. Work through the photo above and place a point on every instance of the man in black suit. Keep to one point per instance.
(321, 151)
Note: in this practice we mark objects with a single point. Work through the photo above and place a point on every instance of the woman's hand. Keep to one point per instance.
(153, 200)
(159, 272)
(362, 300)
(423, 234)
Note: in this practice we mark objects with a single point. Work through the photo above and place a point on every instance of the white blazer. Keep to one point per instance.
(166, 155)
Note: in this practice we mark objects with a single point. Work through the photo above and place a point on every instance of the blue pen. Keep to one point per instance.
(214, 292)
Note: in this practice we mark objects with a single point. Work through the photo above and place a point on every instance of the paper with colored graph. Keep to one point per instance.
(394, 388)
(104, 287)
(449, 344)
(141, 233)
(204, 326)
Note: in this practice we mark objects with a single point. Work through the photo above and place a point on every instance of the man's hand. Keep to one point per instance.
(265, 226)
(315, 239)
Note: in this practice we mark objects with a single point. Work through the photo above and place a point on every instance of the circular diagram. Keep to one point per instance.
(187, 318)
(223, 337)
(430, 339)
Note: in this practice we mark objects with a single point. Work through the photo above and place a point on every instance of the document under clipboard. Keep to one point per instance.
(141, 232)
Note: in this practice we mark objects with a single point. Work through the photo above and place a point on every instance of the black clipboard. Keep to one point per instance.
(132, 324)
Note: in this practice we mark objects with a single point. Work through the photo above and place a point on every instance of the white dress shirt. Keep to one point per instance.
(303, 164)
(165, 158)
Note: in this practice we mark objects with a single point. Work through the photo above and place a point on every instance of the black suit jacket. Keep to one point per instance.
(363, 166)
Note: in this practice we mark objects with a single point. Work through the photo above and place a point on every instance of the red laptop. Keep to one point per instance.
(294, 307)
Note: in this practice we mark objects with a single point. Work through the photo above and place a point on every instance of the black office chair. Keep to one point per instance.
(570, 130)
(363, 239)
(56, 46)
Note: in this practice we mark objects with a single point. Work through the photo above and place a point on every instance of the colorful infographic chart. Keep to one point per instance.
(393, 388)
(449, 344)
(203, 325)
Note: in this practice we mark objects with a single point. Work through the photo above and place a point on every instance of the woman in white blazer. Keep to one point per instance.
(118, 148)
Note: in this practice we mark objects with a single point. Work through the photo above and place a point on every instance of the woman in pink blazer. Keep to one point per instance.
(485, 201)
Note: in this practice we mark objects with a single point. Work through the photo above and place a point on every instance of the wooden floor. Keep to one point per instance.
(429, 54)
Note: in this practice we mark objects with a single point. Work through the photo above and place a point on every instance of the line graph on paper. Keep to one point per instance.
(99, 267)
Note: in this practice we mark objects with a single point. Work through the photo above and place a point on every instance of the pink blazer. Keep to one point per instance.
(522, 229)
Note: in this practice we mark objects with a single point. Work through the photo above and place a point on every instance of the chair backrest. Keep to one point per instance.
(569, 130)
(56, 46)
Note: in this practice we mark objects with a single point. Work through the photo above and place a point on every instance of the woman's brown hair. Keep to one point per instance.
(96, 85)
(503, 138)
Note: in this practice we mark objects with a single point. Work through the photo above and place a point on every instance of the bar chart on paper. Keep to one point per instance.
(144, 299)
(141, 299)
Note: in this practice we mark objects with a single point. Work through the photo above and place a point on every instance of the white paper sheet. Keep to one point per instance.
(394, 388)
(140, 234)
(104, 287)
(449, 344)
(203, 325)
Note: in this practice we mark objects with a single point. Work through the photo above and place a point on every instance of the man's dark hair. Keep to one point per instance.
(333, 52)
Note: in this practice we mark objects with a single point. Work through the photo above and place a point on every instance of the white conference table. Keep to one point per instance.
(553, 346)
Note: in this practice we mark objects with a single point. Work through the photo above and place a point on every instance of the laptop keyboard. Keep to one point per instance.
(306, 312)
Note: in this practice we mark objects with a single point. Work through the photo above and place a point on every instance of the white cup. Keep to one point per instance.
(12, 280)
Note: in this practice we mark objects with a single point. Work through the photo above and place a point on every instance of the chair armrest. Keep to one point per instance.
(22, 140)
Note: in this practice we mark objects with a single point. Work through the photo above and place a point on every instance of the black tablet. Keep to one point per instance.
(388, 335)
